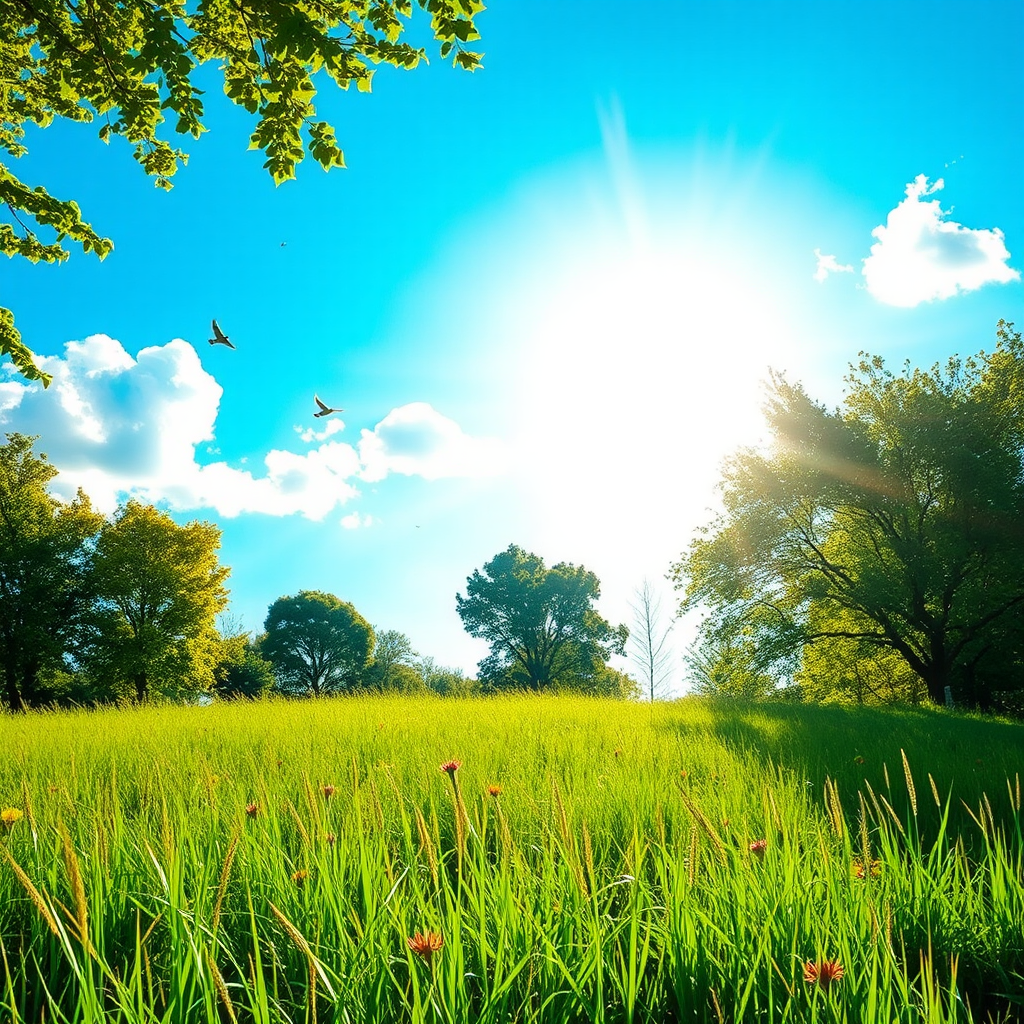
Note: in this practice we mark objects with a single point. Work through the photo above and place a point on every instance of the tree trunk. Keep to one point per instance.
(936, 678)
(141, 686)
(13, 694)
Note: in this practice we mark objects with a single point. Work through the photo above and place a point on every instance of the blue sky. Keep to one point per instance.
(545, 293)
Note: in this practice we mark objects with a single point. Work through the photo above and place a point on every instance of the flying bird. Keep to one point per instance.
(325, 410)
(219, 337)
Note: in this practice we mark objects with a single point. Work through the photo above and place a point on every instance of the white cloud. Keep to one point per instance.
(353, 521)
(310, 434)
(829, 265)
(117, 426)
(416, 440)
(920, 256)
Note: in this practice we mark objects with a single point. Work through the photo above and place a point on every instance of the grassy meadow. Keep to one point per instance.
(588, 861)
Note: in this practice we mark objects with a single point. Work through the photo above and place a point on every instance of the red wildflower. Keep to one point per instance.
(328, 792)
(426, 945)
(757, 848)
(331, 838)
(822, 973)
(252, 809)
(450, 768)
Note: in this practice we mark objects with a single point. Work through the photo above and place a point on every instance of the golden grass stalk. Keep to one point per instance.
(218, 984)
(225, 873)
(303, 946)
(426, 844)
(33, 893)
(834, 808)
(74, 871)
(298, 821)
(705, 823)
(910, 781)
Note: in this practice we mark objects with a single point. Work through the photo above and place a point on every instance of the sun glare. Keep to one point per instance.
(657, 359)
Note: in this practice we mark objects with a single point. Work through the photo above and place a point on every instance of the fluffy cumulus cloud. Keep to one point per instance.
(416, 440)
(829, 265)
(922, 255)
(119, 426)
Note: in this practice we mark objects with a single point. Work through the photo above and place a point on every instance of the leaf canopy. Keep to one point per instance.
(131, 65)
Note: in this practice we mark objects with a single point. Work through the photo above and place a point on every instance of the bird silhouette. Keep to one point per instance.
(325, 410)
(219, 337)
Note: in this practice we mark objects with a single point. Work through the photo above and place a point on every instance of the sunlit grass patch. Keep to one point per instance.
(571, 860)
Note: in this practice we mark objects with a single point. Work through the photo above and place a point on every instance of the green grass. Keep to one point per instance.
(611, 879)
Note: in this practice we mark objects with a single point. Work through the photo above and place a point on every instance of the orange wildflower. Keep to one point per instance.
(300, 876)
(493, 790)
(822, 973)
(425, 945)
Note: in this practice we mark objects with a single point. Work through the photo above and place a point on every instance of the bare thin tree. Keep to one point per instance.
(648, 642)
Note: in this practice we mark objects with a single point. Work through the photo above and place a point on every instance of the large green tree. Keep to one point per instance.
(45, 548)
(540, 622)
(160, 587)
(317, 643)
(131, 65)
(891, 528)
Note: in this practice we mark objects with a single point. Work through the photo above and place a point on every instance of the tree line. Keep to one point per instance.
(875, 552)
(125, 608)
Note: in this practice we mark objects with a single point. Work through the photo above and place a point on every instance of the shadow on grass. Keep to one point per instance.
(966, 755)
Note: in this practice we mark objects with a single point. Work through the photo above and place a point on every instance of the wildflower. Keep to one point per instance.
(300, 876)
(331, 838)
(860, 871)
(328, 792)
(450, 768)
(858, 759)
(493, 790)
(426, 945)
(279, 762)
(684, 774)
(618, 751)
(725, 823)
(9, 816)
(822, 973)
(252, 809)
(757, 848)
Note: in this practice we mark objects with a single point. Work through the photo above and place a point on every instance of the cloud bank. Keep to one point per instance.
(829, 265)
(118, 426)
(920, 255)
